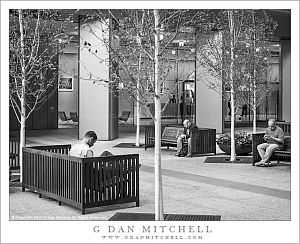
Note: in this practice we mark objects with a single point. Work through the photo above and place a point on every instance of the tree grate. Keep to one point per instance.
(167, 217)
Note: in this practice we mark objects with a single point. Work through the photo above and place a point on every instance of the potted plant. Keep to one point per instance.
(243, 143)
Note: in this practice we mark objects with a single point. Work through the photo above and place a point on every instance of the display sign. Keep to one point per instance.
(65, 84)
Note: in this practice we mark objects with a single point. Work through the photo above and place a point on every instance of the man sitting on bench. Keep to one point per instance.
(186, 137)
(274, 141)
(83, 149)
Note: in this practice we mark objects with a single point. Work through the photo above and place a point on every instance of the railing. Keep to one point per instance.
(14, 151)
(81, 182)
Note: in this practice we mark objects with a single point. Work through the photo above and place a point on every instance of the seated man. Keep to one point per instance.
(274, 140)
(186, 136)
(83, 149)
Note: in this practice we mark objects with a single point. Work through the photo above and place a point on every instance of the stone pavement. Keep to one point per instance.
(234, 191)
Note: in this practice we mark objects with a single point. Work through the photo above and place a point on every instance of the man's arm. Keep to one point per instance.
(280, 138)
(89, 153)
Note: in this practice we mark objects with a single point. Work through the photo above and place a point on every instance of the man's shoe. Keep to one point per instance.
(177, 154)
(267, 164)
(259, 164)
(188, 155)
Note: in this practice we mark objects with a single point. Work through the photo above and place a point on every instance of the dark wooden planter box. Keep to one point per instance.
(81, 182)
(203, 139)
(239, 150)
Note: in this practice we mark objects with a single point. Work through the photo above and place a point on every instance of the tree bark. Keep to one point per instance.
(254, 77)
(254, 105)
(22, 96)
(232, 95)
(137, 136)
(157, 151)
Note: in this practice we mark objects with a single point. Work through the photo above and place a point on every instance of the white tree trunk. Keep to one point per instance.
(232, 149)
(23, 96)
(254, 108)
(157, 122)
(254, 80)
(137, 136)
(231, 28)
(138, 106)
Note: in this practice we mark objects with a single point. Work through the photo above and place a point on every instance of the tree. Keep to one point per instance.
(260, 31)
(138, 46)
(35, 37)
(226, 55)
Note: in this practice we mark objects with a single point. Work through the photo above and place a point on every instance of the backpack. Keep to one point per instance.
(184, 150)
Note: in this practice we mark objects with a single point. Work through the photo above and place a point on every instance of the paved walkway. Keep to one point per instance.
(234, 191)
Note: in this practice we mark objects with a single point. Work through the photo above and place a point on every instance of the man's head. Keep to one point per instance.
(186, 123)
(90, 138)
(271, 123)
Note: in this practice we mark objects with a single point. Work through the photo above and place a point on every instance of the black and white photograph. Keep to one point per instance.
(147, 122)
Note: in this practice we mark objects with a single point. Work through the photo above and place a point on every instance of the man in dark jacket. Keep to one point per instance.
(186, 136)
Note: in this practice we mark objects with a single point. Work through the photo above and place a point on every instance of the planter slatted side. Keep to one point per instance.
(204, 141)
(81, 182)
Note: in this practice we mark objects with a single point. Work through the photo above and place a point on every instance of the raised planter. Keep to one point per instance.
(239, 149)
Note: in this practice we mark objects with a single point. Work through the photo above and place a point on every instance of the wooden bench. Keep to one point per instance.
(81, 182)
(14, 159)
(285, 126)
(169, 136)
(284, 154)
(203, 139)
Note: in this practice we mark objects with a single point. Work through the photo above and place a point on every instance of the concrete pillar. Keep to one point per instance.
(286, 80)
(209, 104)
(98, 107)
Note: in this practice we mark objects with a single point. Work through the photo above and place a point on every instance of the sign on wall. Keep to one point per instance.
(65, 84)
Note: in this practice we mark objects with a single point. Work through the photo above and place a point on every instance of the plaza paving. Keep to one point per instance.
(190, 186)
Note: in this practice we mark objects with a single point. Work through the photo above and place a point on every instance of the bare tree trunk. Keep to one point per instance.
(22, 96)
(254, 106)
(231, 29)
(157, 154)
(254, 77)
(137, 137)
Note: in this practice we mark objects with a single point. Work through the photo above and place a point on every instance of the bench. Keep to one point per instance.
(14, 162)
(285, 126)
(169, 136)
(285, 153)
(81, 182)
(203, 139)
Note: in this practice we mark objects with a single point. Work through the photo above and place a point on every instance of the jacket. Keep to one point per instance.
(187, 131)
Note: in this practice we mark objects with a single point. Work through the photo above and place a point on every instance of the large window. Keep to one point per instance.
(269, 106)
